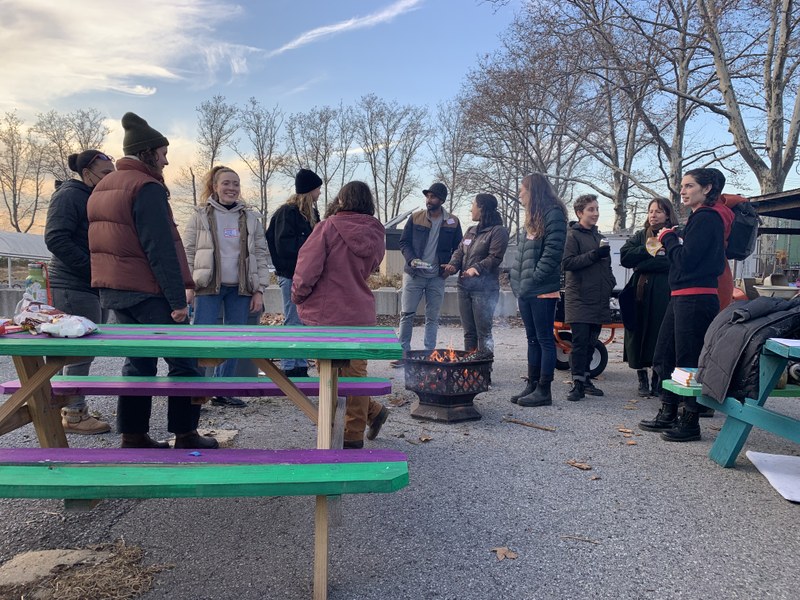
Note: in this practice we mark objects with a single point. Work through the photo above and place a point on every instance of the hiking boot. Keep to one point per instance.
(141, 440)
(655, 384)
(687, 429)
(589, 389)
(228, 401)
(530, 386)
(576, 392)
(644, 383)
(82, 423)
(353, 444)
(666, 419)
(195, 441)
(375, 426)
(541, 396)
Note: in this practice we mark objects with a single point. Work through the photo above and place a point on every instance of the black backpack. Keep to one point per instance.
(744, 231)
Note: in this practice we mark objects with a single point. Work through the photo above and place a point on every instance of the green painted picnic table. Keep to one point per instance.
(37, 358)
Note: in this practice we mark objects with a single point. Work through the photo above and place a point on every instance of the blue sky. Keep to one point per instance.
(162, 58)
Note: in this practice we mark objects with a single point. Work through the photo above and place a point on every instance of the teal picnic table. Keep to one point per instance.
(741, 417)
(37, 358)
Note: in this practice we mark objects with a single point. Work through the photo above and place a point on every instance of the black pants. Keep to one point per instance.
(584, 337)
(133, 412)
(680, 339)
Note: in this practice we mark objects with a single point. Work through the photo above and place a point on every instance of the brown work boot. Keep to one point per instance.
(195, 441)
(81, 422)
(141, 440)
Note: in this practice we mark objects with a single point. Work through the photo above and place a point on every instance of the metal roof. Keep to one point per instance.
(23, 245)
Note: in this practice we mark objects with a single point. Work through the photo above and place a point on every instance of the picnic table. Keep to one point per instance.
(38, 358)
(741, 417)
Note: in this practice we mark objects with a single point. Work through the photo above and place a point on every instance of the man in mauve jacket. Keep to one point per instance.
(139, 265)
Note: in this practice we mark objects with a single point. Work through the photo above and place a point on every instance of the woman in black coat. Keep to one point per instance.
(650, 290)
(536, 280)
(589, 283)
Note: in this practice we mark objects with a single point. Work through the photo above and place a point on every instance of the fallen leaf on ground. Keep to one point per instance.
(579, 465)
(399, 401)
(594, 477)
(630, 407)
(627, 435)
(503, 552)
(425, 438)
(625, 430)
(631, 442)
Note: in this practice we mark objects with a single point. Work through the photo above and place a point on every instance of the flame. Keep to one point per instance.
(448, 355)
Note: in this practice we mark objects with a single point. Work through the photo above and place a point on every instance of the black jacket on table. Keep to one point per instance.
(67, 237)
(698, 259)
(287, 232)
(589, 278)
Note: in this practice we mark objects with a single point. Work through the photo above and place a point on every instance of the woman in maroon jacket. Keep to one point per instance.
(330, 288)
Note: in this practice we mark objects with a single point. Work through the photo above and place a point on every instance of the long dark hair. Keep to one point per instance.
(356, 197)
(542, 199)
(669, 210)
(712, 177)
(490, 216)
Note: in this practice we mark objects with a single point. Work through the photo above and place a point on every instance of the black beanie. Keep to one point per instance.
(139, 135)
(78, 162)
(306, 181)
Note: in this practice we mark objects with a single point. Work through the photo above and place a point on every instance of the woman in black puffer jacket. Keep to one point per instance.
(536, 280)
(589, 283)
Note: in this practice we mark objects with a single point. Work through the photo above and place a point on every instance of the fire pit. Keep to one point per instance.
(446, 382)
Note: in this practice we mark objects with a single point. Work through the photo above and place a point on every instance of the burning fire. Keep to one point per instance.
(450, 355)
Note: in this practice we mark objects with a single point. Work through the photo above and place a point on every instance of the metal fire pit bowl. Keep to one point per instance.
(446, 389)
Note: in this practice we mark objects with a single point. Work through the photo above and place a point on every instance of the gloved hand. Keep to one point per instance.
(604, 251)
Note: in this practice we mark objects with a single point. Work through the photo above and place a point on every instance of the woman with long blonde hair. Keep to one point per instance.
(536, 281)
(288, 230)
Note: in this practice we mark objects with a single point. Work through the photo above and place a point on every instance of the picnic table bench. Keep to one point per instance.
(741, 417)
(80, 475)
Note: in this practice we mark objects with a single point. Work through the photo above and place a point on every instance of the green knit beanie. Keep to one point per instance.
(139, 135)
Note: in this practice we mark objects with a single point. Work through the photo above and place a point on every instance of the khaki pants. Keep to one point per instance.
(361, 410)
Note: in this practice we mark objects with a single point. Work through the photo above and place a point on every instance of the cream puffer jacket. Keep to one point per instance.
(202, 251)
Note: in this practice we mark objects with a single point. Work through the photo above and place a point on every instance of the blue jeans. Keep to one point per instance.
(538, 316)
(477, 312)
(289, 318)
(237, 309)
(414, 289)
(84, 304)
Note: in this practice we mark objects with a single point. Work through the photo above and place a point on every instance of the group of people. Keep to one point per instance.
(116, 249)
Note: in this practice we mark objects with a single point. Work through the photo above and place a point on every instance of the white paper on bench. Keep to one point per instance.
(782, 472)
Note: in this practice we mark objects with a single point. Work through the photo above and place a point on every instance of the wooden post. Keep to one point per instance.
(34, 375)
(327, 398)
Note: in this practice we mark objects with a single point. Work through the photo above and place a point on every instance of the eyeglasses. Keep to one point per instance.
(100, 156)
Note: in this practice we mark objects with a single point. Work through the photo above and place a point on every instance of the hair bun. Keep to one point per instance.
(72, 161)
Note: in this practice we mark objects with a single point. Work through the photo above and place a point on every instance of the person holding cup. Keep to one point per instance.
(589, 282)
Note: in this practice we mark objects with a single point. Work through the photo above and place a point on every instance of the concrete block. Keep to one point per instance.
(506, 305)
(273, 301)
(387, 301)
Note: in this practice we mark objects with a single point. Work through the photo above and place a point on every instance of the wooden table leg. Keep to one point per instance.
(734, 431)
(34, 375)
(288, 387)
(328, 390)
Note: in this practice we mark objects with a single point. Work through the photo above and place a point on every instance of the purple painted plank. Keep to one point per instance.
(164, 388)
(267, 329)
(226, 456)
(252, 339)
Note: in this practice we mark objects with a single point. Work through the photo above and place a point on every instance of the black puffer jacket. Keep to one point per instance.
(729, 361)
(589, 278)
(537, 266)
(67, 236)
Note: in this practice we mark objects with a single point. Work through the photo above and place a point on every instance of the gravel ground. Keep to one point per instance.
(649, 520)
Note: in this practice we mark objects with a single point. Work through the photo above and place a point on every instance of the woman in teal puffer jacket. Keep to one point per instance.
(536, 280)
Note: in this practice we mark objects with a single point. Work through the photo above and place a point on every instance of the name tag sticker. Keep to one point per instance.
(231, 233)
(450, 221)
(467, 242)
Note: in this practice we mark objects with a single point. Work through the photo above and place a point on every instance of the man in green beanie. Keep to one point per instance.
(140, 268)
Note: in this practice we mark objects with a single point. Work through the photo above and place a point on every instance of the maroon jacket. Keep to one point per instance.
(330, 281)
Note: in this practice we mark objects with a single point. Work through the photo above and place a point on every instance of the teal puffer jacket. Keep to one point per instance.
(537, 266)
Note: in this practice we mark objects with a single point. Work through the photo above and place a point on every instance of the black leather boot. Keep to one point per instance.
(655, 384)
(666, 418)
(195, 441)
(644, 383)
(541, 396)
(577, 391)
(141, 440)
(533, 379)
(589, 389)
(687, 429)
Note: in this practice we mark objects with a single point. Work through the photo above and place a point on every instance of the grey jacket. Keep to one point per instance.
(482, 249)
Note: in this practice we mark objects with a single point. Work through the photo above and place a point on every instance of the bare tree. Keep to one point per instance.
(261, 127)
(216, 125)
(88, 128)
(390, 136)
(321, 140)
(450, 146)
(65, 134)
(22, 172)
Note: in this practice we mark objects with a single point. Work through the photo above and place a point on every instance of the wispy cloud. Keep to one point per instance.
(383, 16)
(53, 49)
